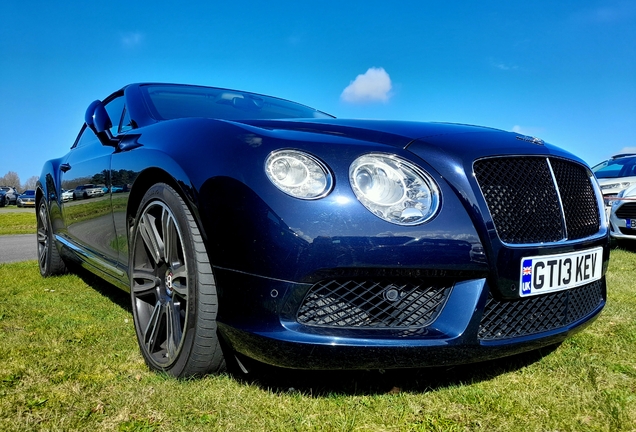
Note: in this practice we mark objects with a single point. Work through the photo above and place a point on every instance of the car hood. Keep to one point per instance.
(395, 133)
(423, 139)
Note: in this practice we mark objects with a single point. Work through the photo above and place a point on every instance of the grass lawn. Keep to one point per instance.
(17, 221)
(69, 361)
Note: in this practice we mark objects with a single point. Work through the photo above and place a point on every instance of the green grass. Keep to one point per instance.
(18, 222)
(69, 361)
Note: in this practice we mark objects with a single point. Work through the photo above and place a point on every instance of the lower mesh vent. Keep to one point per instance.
(373, 304)
(509, 319)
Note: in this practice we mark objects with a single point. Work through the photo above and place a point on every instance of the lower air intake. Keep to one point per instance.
(530, 315)
(372, 304)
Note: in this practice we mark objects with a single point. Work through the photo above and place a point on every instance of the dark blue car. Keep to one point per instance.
(250, 227)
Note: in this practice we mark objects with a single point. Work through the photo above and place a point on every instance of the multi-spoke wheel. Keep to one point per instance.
(172, 288)
(49, 258)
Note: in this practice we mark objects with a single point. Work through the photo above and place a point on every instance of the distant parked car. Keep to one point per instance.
(616, 174)
(27, 199)
(623, 215)
(8, 195)
(87, 191)
(67, 195)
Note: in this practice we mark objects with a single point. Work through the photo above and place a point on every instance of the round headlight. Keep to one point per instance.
(394, 189)
(298, 174)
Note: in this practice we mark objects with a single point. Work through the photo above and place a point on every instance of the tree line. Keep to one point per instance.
(12, 179)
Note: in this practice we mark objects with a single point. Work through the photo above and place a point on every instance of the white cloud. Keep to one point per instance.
(627, 150)
(502, 65)
(372, 86)
(525, 130)
(506, 67)
(132, 39)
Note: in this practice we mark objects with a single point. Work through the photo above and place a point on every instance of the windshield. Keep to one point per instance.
(179, 101)
(615, 168)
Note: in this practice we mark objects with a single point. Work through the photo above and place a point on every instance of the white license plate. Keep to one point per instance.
(549, 273)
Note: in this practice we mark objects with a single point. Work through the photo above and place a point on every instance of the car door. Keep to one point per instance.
(89, 222)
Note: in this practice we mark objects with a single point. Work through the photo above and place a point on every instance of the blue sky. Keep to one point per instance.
(564, 71)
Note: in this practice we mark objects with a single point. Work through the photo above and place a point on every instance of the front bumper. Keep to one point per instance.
(258, 318)
(622, 228)
(23, 203)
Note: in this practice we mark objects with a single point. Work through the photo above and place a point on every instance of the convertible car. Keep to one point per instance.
(247, 227)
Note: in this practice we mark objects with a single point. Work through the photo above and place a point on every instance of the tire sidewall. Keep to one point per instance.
(167, 195)
(45, 270)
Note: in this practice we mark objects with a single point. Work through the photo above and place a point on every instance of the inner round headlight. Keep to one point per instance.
(298, 174)
(394, 189)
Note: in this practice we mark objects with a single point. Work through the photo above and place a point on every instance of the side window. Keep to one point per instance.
(86, 138)
(115, 109)
(126, 123)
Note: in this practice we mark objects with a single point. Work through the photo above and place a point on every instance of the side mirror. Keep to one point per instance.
(99, 122)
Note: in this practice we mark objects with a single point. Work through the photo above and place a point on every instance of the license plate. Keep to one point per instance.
(550, 273)
(629, 223)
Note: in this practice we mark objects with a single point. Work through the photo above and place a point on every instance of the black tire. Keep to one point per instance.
(49, 259)
(172, 288)
(4, 201)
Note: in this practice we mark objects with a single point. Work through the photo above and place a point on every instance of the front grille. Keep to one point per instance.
(527, 316)
(373, 304)
(580, 205)
(627, 231)
(538, 200)
(627, 211)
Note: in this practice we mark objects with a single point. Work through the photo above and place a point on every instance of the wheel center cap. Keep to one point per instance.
(169, 278)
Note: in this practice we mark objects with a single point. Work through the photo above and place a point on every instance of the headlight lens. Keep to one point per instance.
(394, 189)
(610, 186)
(298, 174)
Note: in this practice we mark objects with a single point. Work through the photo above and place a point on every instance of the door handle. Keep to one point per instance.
(65, 167)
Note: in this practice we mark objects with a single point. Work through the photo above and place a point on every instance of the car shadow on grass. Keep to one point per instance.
(373, 382)
(110, 291)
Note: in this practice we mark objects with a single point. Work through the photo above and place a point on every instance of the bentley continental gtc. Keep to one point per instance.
(247, 227)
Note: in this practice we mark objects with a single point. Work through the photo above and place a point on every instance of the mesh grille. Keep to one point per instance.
(626, 211)
(372, 304)
(508, 319)
(522, 199)
(579, 201)
(524, 203)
